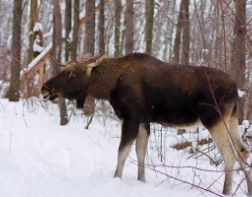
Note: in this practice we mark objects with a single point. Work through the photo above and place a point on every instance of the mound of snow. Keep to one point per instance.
(40, 158)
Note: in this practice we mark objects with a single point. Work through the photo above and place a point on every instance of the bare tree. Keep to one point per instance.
(33, 20)
(149, 12)
(89, 41)
(182, 27)
(13, 92)
(76, 25)
(101, 27)
(177, 41)
(238, 63)
(89, 105)
(68, 26)
(218, 40)
(57, 43)
(186, 33)
(129, 26)
(117, 41)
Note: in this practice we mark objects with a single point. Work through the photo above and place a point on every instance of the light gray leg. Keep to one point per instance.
(242, 151)
(141, 149)
(129, 134)
(221, 138)
(122, 156)
(247, 171)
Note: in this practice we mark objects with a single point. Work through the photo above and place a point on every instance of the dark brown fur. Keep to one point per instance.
(143, 89)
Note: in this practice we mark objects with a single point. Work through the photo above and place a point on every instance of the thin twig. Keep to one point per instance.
(89, 122)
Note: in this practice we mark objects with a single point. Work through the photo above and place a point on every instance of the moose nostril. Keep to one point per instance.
(46, 91)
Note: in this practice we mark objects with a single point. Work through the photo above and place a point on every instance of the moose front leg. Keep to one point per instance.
(129, 134)
(80, 101)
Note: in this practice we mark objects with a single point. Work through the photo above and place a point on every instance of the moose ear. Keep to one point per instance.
(87, 57)
(101, 57)
(97, 62)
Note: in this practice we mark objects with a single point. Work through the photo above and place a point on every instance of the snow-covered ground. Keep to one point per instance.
(39, 158)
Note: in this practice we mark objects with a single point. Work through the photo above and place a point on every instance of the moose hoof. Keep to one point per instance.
(226, 192)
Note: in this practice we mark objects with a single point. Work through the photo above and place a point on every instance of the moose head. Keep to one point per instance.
(72, 82)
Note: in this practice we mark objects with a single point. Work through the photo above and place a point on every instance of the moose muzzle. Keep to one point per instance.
(48, 94)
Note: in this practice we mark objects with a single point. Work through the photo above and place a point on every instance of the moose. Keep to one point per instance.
(143, 89)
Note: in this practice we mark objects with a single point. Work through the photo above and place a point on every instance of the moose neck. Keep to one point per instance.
(104, 78)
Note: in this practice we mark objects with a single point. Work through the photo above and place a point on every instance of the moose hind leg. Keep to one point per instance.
(220, 135)
(129, 133)
(242, 149)
(141, 148)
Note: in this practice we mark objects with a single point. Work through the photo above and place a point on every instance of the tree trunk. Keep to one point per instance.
(33, 20)
(182, 26)
(57, 42)
(89, 106)
(149, 12)
(76, 25)
(68, 26)
(186, 33)
(169, 31)
(13, 92)
(129, 26)
(57, 35)
(177, 41)
(218, 36)
(89, 27)
(101, 27)
(238, 64)
(117, 41)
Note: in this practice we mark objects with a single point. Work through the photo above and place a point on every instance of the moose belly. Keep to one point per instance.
(193, 125)
(175, 116)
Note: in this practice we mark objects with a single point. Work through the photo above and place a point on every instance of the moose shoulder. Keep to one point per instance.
(143, 89)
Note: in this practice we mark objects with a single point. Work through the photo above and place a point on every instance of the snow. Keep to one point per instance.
(241, 93)
(48, 34)
(82, 15)
(9, 42)
(37, 48)
(40, 158)
(36, 45)
(246, 123)
(37, 27)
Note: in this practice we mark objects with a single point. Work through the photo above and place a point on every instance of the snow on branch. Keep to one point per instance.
(37, 45)
(37, 27)
(37, 59)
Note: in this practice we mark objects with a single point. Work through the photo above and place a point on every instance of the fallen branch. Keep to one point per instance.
(183, 145)
(179, 180)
